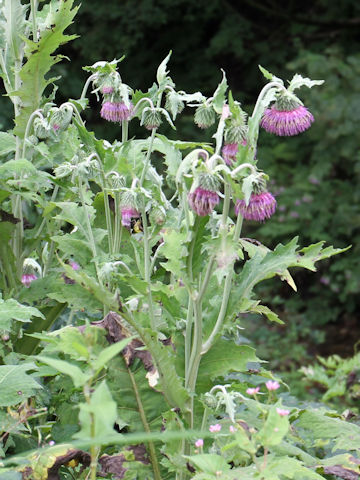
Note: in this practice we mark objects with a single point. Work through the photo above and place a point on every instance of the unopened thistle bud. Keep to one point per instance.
(151, 118)
(205, 197)
(204, 116)
(157, 216)
(128, 208)
(60, 118)
(41, 128)
(287, 117)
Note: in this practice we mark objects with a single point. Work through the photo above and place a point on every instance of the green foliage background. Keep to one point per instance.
(316, 175)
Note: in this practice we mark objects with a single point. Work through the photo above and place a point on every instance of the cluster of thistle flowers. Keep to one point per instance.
(287, 117)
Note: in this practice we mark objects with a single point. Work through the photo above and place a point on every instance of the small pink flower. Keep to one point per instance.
(51, 443)
(253, 391)
(199, 443)
(287, 123)
(282, 412)
(203, 201)
(27, 278)
(272, 385)
(74, 265)
(261, 206)
(232, 429)
(215, 428)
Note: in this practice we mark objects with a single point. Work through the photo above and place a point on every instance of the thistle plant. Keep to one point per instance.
(131, 282)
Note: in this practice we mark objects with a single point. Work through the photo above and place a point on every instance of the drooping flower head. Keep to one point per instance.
(287, 117)
(262, 204)
(30, 270)
(204, 116)
(27, 279)
(204, 197)
(116, 111)
(128, 207)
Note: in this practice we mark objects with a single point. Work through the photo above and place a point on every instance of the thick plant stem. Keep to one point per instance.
(90, 234)
(124, 131)
(94, 449)
(117, 224)
(225, 299)
(34, 5)
(152, 451)
(147, 158)
(147, 269)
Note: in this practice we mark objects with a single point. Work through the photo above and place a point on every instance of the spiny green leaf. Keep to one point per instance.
(161, 71)
(97, 418)
(224, 357)
(13, 310)
(219, 94)
(7, 143)
(78, 377)
(34, 72)
(15, 384)
(274, 429)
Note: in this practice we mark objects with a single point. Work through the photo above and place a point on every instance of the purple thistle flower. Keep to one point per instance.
(27, 278)
(127, 213)
(203, 201)
(261, 206)
(229, 152)
(116, 111)
(286, 122)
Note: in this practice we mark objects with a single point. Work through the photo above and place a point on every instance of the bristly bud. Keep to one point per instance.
(204, 116)
(157, 216)
(128, 207)
(151, 118)
(60, 118)
(41, 128)
(261, 206)
(204, 197)
(116, 111)
(287, 117)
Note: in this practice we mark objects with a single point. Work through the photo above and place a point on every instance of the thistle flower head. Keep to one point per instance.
(116, 111)
(27, 278)
(204, 116)
(229, 152)
(287, 117)
(204, 197)
(261, 206)
(128, 207)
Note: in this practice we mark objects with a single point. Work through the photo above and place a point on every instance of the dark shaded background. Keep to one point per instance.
(315, 176)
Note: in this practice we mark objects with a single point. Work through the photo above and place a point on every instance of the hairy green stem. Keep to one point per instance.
(124, 131)
(147, 158)
(90, 234)
(152, 451)
(86, 86)
(34, 6)
(94, 449)
(225, 298)
(117, 225)
(147, 270)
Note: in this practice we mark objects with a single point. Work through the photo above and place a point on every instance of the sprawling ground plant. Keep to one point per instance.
(125, 268)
